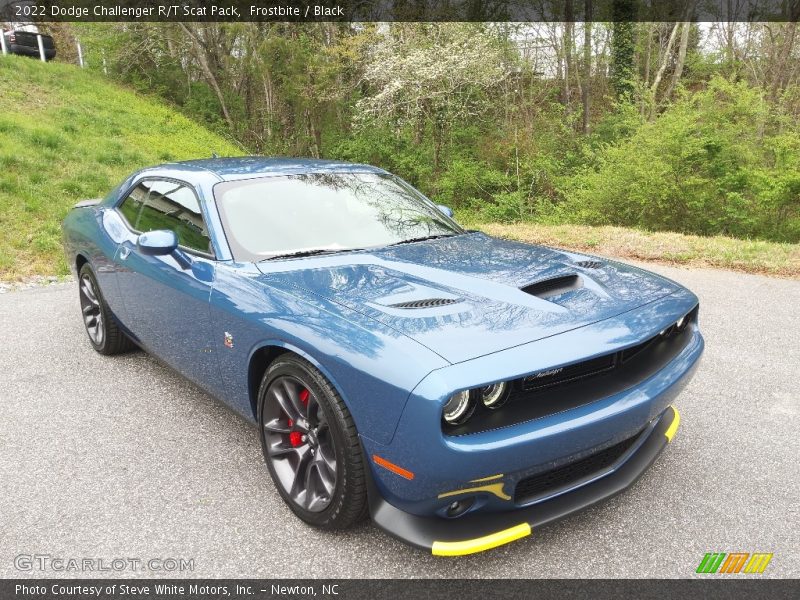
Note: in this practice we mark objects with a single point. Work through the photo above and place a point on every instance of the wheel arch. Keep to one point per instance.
(259, 362)
(80, 260)
(265, 354)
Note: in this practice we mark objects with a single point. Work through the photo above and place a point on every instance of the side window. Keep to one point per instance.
(132, 205)
(171, 205)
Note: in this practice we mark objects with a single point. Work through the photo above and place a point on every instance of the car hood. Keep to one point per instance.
(471, 295)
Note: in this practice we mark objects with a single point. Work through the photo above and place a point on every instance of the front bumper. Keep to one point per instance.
(481, 531)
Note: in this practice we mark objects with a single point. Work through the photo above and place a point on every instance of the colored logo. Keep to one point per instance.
(734, 562)
(228, 340)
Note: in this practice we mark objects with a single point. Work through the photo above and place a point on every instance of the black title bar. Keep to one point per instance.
(398, 10)
(711, 588)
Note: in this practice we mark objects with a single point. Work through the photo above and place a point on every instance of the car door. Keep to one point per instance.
(166, 298)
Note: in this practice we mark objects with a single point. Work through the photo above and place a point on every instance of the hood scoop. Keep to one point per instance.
(555, 286)
(410, 296)
(589, 264)
(425, 303)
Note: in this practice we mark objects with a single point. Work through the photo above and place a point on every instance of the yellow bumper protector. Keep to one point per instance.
(670, 432)
(493, 540)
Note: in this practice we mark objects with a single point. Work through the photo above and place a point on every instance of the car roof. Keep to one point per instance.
(246, 167)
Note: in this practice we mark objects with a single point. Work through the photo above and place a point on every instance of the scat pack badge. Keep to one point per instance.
(228, 340)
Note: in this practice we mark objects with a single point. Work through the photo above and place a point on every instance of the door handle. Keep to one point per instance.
(124, 252)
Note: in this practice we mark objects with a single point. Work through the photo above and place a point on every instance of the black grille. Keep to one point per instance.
(538, 485)
(426, 303)
(590, 264)
(554, 286)
(629, 353)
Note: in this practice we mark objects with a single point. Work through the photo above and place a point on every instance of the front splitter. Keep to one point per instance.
(482, 531)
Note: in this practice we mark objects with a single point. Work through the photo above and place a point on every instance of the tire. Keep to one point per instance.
(303, 424)
(100, 324)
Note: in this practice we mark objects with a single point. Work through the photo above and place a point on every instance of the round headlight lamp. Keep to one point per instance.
(493, 396)
(458, 408)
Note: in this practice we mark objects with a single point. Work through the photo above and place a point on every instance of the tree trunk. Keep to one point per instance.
(587, 61)
(623, 49)
(664, 60)
(661, 69)
(648, 53)
(568, 33)
(729, 33)
(676, 74)
(200, 53)
(438, 141)
(779, 70)
(647, 65)
(317, 137)
(268, 102)
(311, 132)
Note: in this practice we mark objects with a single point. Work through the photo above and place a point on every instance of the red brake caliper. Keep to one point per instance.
(295, 437)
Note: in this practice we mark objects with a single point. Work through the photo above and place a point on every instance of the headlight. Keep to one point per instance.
(494, 396)
(458, 408)
(676, 327)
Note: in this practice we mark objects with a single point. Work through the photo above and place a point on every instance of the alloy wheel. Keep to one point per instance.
(299, 443)
(92, 311)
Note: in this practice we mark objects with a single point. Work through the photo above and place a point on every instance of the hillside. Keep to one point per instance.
(68, 134)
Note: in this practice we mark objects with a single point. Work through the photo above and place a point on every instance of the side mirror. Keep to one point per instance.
(157, 243)
(445, 209)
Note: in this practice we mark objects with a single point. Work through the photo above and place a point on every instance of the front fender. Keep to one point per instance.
(373, 367)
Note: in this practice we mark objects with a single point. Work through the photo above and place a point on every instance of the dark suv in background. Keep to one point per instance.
(24, 42)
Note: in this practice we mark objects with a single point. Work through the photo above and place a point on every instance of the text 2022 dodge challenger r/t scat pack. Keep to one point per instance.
(459, 388)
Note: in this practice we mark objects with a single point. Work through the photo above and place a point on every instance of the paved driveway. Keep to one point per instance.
(121, 458)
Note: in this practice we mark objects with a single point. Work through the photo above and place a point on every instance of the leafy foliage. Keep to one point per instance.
(716, 161)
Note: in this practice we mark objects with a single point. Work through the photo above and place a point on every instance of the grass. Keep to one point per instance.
(67, 134)
(751, 256)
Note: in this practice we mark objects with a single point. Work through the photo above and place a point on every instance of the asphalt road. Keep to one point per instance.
(120, 457)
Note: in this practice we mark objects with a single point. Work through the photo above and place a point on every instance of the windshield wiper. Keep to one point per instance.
(424, 238)
(312, 252)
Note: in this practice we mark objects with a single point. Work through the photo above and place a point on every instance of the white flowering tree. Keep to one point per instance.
(430, 76)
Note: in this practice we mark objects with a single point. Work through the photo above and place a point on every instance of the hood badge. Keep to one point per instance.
(228, 340)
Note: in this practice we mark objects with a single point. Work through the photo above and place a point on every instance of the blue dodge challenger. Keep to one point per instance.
(458, 388)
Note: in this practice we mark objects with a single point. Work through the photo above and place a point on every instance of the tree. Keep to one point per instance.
(430, 76)
(622, 48)
(201, 47)
(680, 60)
(587, 62)
(569, 29)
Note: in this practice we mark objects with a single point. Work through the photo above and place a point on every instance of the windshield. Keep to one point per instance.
(312, 213)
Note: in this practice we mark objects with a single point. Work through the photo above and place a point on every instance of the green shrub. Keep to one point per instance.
(507, 207)
(710, 164)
